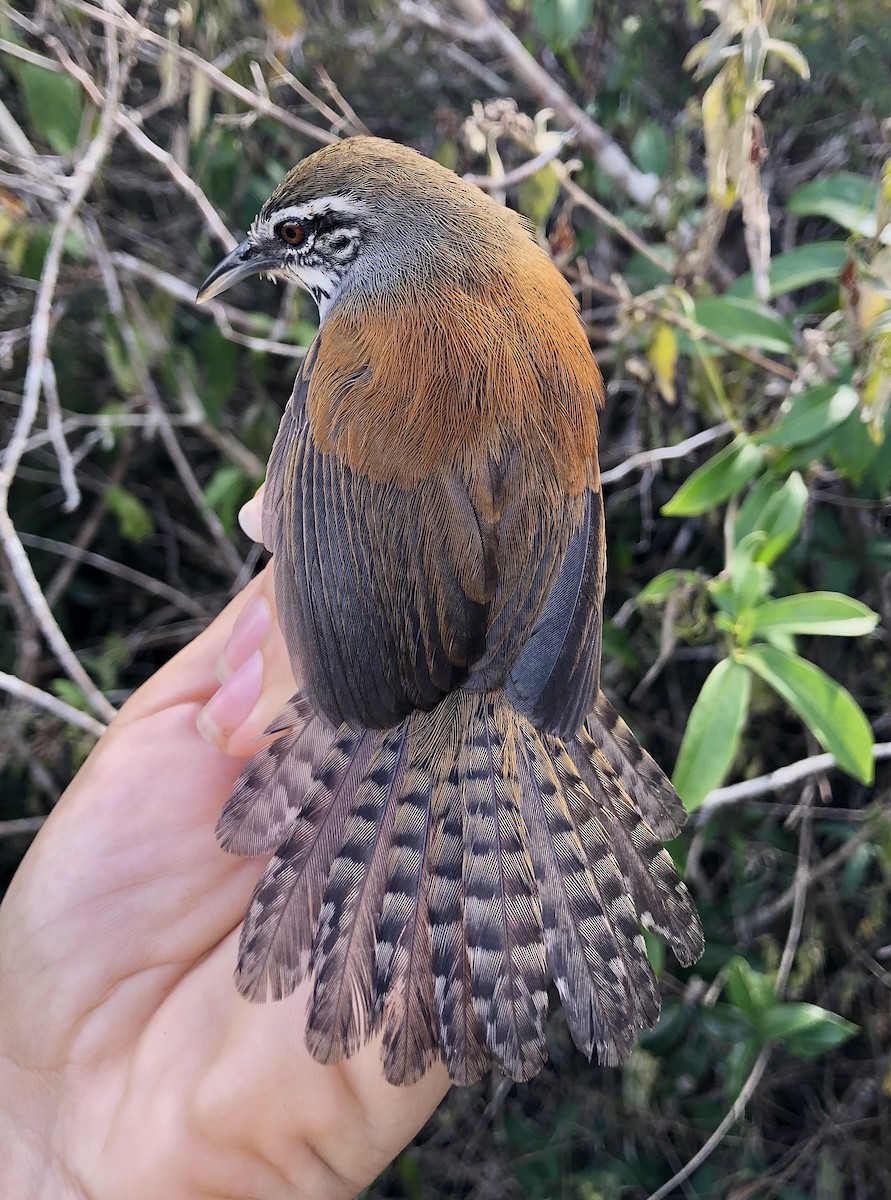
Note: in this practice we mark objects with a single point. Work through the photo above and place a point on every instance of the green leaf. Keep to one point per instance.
(717, 480)
(134, 519)
(748, 990)
(828, 613)
(744, 323)
(661, 587)
(847, 199)
(54, 104)
(649, 148)
(805, 1029)
(829, 711)
(711, 739)
(229, 486)
(811, 415)
(750, 578)
(560, 22)
(819, 262)
(537, 195)
(774, 509)
(68, 691)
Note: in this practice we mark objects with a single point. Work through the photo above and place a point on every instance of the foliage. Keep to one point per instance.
(744, 314)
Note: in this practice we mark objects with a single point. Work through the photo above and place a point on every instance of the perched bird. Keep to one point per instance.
(479, 821)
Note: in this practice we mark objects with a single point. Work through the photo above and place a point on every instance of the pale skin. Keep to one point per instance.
(129, 1064)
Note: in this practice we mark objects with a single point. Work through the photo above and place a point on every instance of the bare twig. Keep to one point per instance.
(121, 19)
(82, 181)
(648, 458)
(57, 437)
(776, 780)
(748, 1089)
(155, 587)
(11, 133)
(21, 826)
(494, 183)
(35, 695)
(610, 157)
(186, 185)
(150, 392)
(223, 314)
(699, 332)
(580, 197)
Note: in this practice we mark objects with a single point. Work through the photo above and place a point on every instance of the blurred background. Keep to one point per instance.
(715, 181)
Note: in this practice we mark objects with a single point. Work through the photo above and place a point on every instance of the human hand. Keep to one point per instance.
(129, 1064)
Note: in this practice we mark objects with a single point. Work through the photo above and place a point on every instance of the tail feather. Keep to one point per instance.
(461, 1035)
(664, 906)
(617, 906)
(274, 951)
(502, 912)
(644, 781)
(582, 953)
(403, 979)
(272, 787)
(343, 1003)
(436, 875)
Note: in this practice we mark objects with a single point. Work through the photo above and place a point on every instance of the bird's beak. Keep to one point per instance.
(246, 259)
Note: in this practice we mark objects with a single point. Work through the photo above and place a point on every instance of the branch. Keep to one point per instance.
(647, 458)
(38, 353)
(776, 780)
(493, 183)
(121, 19)
(697, 332)
(610, 157)
(35, 695)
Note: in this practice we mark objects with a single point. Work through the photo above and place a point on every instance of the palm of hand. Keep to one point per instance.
(129, 1065)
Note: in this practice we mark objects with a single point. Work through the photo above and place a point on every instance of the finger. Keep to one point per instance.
(257, 678)
(250, 517)
(192, 674)
(263, 1100)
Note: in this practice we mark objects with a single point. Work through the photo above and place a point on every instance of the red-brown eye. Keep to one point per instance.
(291, 232)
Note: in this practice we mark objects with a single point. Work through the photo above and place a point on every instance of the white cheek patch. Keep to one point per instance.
(320, 284)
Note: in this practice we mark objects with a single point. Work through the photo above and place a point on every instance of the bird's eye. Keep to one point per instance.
(291, 232)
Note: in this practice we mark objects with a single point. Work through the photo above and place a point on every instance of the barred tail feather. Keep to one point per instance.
(274, 950)
(461, 1036)
(403, 978)
(581, 948)
(437, 875)
(643, 780)
(664, 906)
(343, 1002)
(502, 912)
(271, 789)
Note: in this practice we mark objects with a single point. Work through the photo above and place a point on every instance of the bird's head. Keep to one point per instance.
(374, 218)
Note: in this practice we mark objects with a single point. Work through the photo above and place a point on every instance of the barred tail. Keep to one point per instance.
(436, 876)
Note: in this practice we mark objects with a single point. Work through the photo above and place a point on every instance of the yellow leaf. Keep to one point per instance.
(285, 17)
(663, 356)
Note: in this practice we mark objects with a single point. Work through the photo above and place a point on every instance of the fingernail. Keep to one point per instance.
(247, 634)
(233, 703)
(250, 518)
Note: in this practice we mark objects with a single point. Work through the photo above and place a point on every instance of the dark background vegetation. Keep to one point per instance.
(155, 420)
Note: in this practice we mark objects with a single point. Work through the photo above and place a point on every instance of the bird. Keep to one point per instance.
(458, 819)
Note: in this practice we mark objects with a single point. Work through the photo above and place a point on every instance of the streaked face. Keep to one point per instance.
(312, 244)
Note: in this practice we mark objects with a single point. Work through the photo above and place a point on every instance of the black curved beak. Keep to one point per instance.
(246, 259)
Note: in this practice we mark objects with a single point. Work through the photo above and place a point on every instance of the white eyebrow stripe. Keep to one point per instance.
(309, 211)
